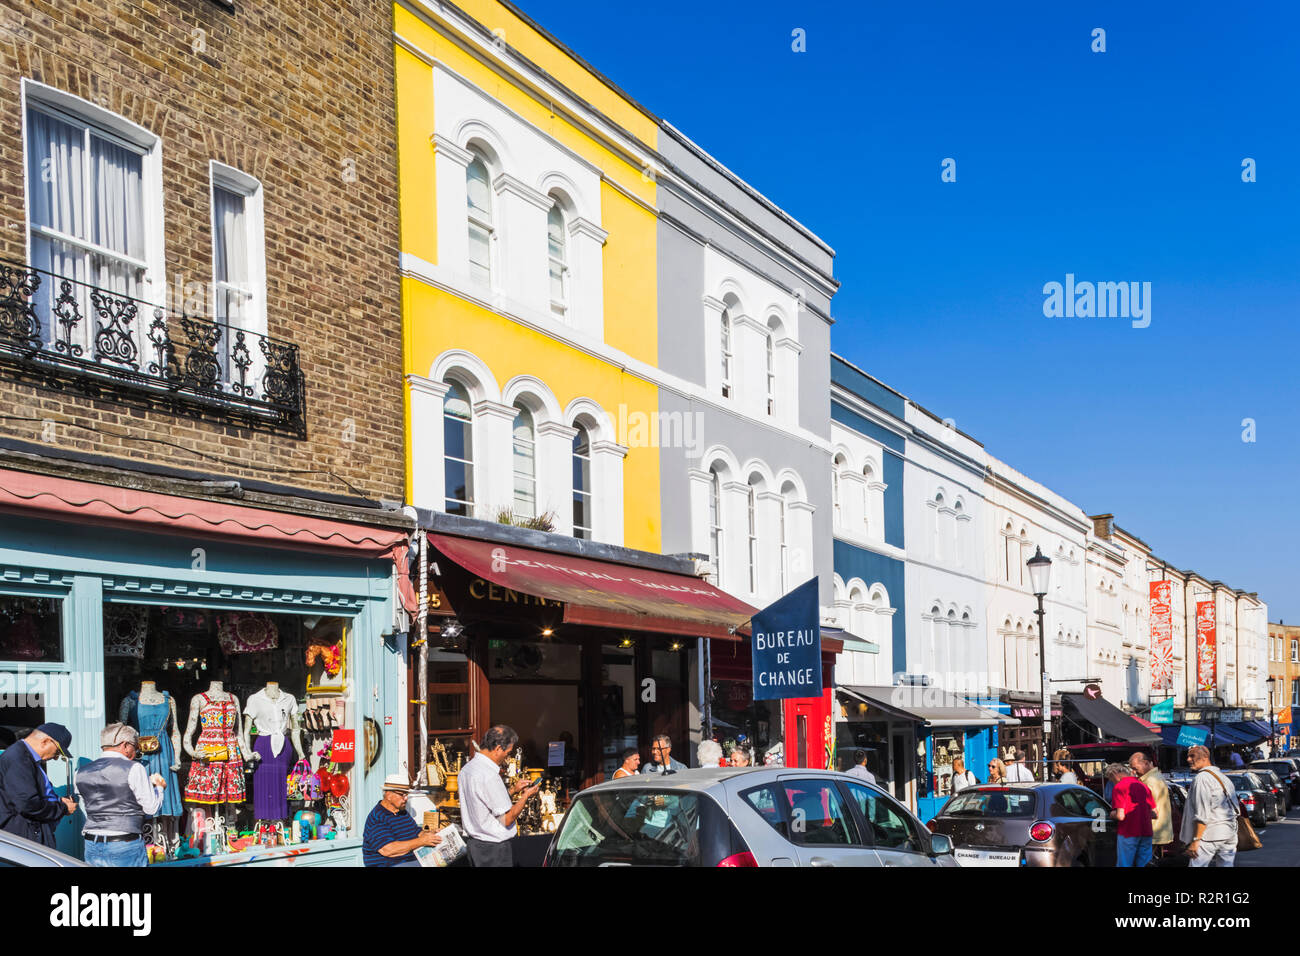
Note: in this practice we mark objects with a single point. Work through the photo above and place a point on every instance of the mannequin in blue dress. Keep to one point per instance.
(153, 713)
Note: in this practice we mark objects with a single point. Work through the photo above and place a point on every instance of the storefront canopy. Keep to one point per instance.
(603, 593)
(929, 706)
(1109, 719)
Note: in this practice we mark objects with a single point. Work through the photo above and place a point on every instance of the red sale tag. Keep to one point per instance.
(343, 748)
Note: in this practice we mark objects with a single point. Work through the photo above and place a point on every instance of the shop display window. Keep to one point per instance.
(944, 749)
(31, 629)
(246, 717)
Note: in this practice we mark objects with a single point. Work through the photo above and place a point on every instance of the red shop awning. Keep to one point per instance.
(601, 593)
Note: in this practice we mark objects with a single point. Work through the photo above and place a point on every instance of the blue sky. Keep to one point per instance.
(1116, 166)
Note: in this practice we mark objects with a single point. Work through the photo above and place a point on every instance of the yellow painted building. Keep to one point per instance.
(529, 276)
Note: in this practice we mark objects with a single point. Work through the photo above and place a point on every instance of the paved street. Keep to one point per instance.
(1281, 844)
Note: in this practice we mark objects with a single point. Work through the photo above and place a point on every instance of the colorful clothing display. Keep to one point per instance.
(217, 781)
(243, 632)
(152, 720)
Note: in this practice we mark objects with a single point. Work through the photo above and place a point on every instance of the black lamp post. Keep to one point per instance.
(1040, 571)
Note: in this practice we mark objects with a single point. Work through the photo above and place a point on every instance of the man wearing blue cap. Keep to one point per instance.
(29, 807)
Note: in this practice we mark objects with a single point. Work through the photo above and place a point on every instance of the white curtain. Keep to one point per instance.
(55, 187)
(230, 254)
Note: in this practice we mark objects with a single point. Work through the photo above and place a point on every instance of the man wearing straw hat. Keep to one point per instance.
(391, 836)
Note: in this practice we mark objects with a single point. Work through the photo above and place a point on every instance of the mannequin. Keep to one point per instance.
(213, 781)
(273, 714)
(153, 713)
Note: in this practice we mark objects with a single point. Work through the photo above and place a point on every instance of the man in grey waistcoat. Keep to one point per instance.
(117, 793)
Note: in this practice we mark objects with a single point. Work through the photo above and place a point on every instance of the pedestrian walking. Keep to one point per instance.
(1162, 827)
(1016, 771)
(961, 777)
(997, 771)
(486, 813)
(118, 793)
(631, 760)
(1062, 767)
(663, 761)
(739, 756)
(391, 836)
(1210, 817)
(29, 807)
(1134, 809)
(709, 753)
(1234, 760)
(859, 768)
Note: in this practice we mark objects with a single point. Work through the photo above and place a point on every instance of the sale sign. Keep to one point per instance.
(1162, 635)
(1206, 647)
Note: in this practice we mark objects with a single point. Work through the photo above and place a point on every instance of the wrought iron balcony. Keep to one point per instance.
(66, 334)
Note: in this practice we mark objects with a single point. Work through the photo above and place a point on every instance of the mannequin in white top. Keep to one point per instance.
(216, 693)
(273, 714)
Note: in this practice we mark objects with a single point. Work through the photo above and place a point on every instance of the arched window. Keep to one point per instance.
(482, 231)
(715, 519)
(753, 535)
(726, 353)
(770, 345)
(458, 450)
(525, 463)
(558, 257)
(582, 484)
(839, 463)
(787, 494)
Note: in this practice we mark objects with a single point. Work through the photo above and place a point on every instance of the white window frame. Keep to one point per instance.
(717, 533)
(474, 218)
(221, 176)
(518, 476)
(770, 345)
(728, 354)
(560, 307)
(470, 503)
(113, 127)
(589, 493)
(753, 537)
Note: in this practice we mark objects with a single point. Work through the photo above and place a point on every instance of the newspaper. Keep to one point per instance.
(451, 849)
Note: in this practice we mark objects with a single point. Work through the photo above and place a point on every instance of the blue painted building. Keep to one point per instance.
(104, 587)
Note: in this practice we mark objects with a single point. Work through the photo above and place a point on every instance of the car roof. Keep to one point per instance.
(708, 778)
(31, 847)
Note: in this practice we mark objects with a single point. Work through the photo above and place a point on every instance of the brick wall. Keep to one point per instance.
(295, 93)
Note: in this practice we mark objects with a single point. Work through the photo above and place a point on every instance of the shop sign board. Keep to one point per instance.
(786, 646)
(1233, 716)
(1192, 736)
(1163, 712)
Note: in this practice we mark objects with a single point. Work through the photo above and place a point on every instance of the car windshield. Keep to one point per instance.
(1243, 782)
(991, 803)
(641, 827)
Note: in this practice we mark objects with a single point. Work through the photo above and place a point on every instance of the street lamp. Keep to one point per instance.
(1040, 571)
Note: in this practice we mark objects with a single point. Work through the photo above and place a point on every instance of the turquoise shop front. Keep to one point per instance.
(230, 631)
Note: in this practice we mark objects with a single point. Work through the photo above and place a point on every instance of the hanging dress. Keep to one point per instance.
(152, 720)
(217, 781)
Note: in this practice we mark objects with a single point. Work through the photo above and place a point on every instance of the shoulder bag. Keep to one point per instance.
(1247, 838)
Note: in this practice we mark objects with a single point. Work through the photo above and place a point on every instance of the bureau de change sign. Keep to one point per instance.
(786, 644)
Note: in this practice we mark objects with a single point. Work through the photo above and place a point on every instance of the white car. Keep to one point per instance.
(759, 816)
(19, 851)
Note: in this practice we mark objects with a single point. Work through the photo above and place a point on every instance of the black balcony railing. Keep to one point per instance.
(67, 334)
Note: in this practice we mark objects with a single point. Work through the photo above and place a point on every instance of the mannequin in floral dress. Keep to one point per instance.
(217, 774)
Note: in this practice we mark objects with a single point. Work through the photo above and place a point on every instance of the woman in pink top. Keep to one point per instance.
(1134, 808)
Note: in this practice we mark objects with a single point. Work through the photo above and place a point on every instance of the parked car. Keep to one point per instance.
(760, 816)
(19, 851)
(1256, 797)
(1281, 792)
(1288, 770)
(1028, 824)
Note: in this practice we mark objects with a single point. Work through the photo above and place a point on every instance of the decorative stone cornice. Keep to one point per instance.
(505, 184)
(457, 154)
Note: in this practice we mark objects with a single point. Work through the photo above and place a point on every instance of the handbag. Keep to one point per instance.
(148, 744)
(215, 753)
(1247, 838)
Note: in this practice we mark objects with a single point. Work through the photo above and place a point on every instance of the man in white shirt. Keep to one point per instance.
(118, 793)
(486, 813)
(859, 768)
(1017, 772)
(1210, 816)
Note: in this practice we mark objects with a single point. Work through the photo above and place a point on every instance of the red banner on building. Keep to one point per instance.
(1162, 636)
(1206, 647)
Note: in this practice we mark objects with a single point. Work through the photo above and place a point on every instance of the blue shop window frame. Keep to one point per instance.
(979, 744)
(43, 565)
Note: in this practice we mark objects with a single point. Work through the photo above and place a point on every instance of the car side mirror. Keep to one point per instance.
(940, 844)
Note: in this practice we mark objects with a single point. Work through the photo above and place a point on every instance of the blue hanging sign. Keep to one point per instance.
(786, 646)
(1192, 736)
(1163, 712)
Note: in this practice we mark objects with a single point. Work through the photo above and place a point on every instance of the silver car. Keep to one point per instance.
(19, 851)
(758, 816)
